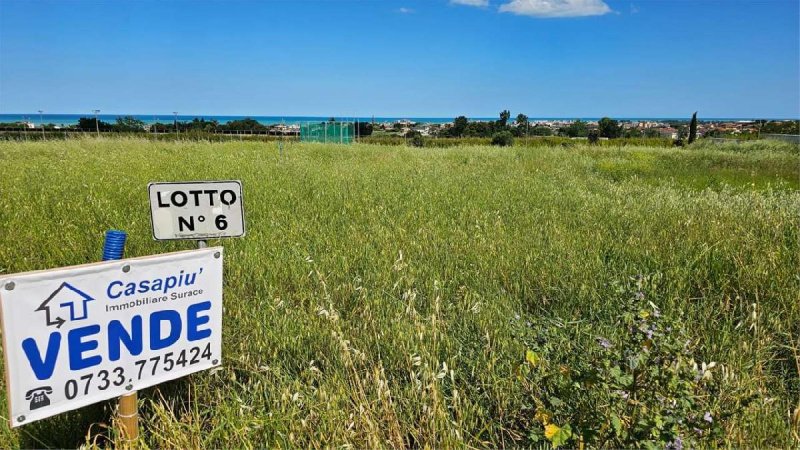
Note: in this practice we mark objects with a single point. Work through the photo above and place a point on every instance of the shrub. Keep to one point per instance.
(415, 140)
(594, 136)
(654, 394)
(503, 139)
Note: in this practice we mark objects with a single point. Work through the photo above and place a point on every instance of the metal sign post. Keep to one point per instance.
(128, 404)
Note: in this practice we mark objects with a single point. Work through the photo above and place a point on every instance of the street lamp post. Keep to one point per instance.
(41, 121)
(96, 123)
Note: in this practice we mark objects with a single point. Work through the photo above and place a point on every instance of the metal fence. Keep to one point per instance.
(327, 132)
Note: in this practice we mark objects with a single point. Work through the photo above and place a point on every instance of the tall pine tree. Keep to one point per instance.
(693, 128)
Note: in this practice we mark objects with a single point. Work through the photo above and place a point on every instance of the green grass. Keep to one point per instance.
(375, 299)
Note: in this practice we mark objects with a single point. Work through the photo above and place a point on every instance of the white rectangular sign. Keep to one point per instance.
(79, 335)
(196, 210)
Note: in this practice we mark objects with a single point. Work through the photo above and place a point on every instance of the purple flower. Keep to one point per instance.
(677, 444)
(640, 295)
(707, 417)
(622, 394)
(649, 333)
(605, 343)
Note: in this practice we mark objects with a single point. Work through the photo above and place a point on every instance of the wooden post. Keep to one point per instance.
(127, 409)
(128, 414)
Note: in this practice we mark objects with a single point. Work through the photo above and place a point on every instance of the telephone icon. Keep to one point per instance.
(39, 397)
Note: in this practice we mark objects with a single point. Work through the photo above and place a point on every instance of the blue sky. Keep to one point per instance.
(424, 58)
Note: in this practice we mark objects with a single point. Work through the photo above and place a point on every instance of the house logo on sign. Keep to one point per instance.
(66, 297)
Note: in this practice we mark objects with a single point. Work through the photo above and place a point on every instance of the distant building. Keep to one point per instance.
(668, 132)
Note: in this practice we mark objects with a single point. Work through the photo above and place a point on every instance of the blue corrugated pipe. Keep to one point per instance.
(114, 246)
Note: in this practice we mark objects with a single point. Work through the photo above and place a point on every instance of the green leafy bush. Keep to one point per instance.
(644, 389)
(594, 136)
(503, 139)
(415, 139)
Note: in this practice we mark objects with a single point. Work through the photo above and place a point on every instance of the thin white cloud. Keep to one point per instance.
(405, 11)
(556, 8)
(479, 3)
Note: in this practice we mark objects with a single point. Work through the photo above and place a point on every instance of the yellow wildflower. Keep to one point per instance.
(551, 430)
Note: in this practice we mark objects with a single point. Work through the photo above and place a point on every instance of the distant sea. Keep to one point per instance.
(72, 119)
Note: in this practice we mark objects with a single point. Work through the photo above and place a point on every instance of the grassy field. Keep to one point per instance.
(472, 296)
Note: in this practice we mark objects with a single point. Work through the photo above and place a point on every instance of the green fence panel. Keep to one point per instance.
(327, 132)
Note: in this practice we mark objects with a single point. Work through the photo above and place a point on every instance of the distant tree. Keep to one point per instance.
(504, 116)
(199, 124)
(594, 136)
(363, 128)
(90, 124)
(541, 130)
(781, 127)
(651, 133)
(609, 128)
(683, 131)
(503, 139)
(415, 139)
(578, 128)
(246, 124)
(479, 129)
(522, 125)
(633, 133)
(693, 128)
(128, 123)
(459, 125)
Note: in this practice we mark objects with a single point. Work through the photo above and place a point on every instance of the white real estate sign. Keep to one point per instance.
(79, 335)
(196, 210)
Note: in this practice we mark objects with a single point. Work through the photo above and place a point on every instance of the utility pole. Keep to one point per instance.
(176, 123)
(41, 121)
(96, 123)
